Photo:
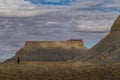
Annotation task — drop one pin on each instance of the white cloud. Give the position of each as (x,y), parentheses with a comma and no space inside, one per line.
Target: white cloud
(25,8)
(96,25)
(21,8)
(52,23)
(11,13)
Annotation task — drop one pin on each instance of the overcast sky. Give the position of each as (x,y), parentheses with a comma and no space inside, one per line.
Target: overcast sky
(22,20)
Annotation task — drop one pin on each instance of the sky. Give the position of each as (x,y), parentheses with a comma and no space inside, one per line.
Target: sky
(23,20)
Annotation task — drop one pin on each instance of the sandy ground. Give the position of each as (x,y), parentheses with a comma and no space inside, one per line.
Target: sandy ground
(59,71)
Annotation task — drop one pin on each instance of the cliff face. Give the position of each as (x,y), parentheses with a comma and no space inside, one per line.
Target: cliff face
(108,49)
(50,50)
(71,42)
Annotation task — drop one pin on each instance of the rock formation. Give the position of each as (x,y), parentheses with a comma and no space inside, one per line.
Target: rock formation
(50,50)
(108,49)
(116,25)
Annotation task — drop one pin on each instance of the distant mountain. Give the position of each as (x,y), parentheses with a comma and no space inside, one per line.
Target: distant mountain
(50,50)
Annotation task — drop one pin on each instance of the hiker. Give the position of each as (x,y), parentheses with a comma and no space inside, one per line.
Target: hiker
(18,60)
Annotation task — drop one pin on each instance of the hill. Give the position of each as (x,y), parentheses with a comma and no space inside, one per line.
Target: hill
(108,49)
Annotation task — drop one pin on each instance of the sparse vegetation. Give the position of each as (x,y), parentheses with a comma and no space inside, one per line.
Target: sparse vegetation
(59,71)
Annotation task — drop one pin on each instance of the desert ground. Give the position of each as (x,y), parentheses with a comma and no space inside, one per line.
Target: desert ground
(59,71)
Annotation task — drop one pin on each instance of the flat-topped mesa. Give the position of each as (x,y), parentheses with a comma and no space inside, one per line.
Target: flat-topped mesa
(50,50)
(77,42)
(116,25)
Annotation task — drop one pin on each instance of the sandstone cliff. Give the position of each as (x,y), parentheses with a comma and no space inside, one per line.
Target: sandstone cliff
(108,49)
(50,50)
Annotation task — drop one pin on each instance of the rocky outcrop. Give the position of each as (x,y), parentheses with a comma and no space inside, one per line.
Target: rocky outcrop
(108,49)
(50,50)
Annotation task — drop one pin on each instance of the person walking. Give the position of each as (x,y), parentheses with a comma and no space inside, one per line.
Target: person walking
(18,60)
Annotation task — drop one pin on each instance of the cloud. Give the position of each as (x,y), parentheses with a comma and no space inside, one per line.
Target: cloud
(21,8)
(87,19)
(52,23)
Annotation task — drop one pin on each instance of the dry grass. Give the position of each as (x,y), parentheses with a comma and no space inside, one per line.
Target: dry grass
(58,71)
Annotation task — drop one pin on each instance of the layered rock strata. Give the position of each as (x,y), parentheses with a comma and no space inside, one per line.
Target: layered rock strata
(50,50)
